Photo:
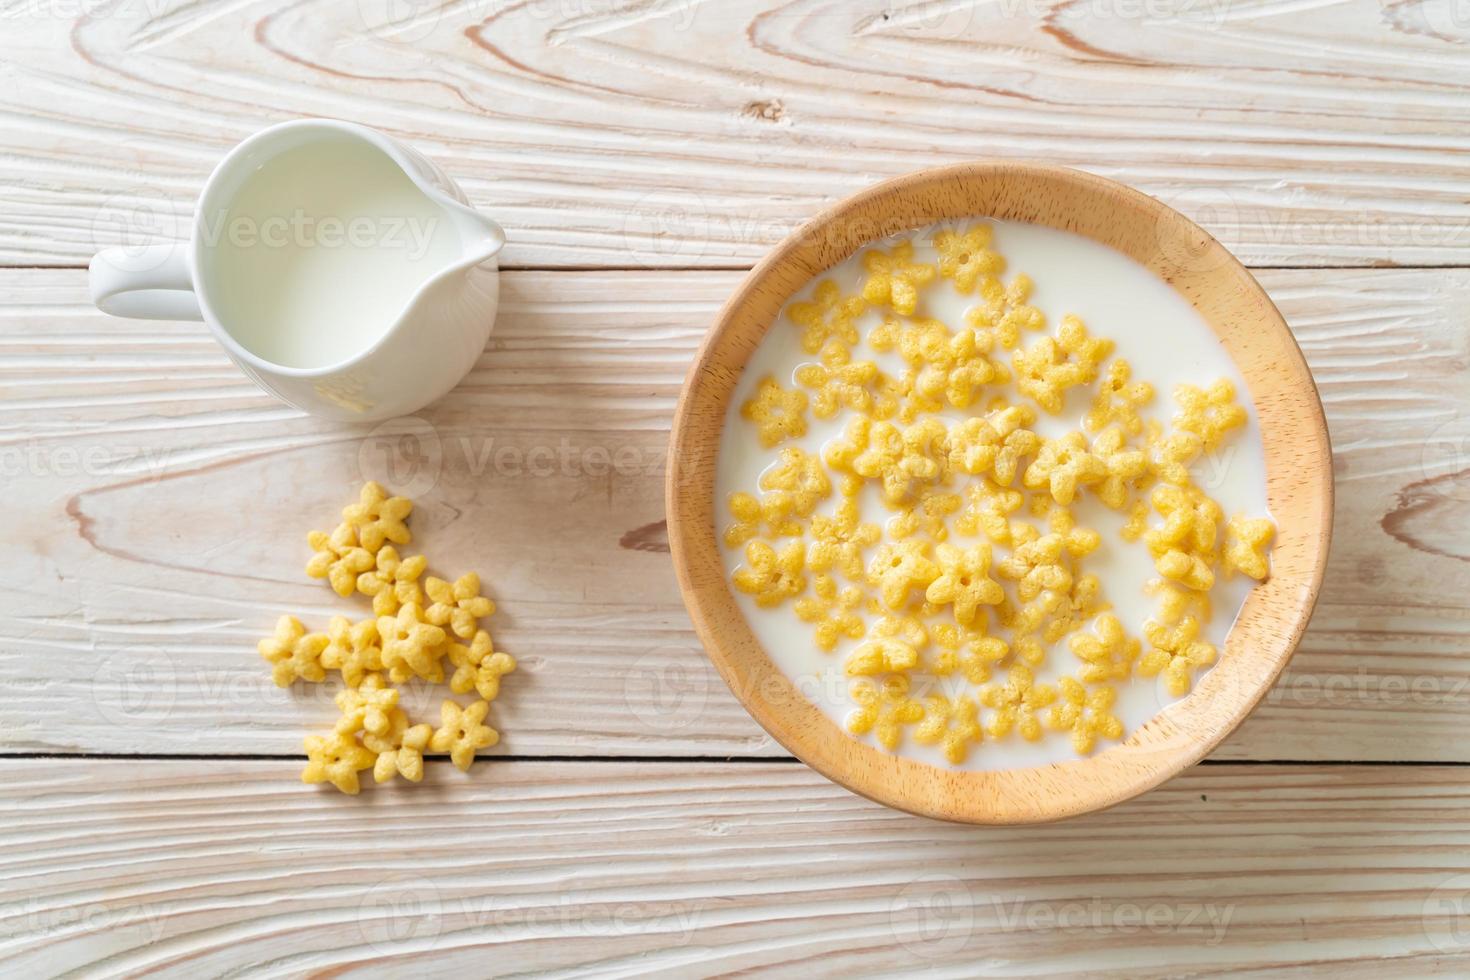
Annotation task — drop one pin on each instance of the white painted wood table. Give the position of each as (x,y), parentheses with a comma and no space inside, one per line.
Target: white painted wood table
(641,153)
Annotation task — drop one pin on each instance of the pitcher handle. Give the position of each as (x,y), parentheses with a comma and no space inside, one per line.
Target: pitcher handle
(151,284)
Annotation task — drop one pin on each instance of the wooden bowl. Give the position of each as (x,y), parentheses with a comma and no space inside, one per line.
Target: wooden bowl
(1298,487)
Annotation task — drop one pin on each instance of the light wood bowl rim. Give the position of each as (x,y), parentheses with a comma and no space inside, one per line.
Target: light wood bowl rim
(1174,740)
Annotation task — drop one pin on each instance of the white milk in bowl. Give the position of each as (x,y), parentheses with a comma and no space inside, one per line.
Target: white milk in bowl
(321,250)
(1165,341)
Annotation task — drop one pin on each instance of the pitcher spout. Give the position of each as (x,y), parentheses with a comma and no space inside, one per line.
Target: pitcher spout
(481,238)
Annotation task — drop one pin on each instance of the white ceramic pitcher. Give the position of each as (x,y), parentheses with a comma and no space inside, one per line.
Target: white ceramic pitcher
(432,344)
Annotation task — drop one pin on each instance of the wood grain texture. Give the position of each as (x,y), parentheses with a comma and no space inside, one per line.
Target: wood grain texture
(687,133)
(156,504)
(180,869)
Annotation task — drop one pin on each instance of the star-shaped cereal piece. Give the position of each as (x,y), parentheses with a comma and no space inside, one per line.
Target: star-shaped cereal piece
(457,604)
(1062,465)
(1077,607)
(836,612)
(1088,715)
(294,653)
(1176,601)
(797,483)
(894,278)
(1125,467)
(975,444)
(1246,541)
(965,258)
(970,651)
(928,514)
(366,708)
(771,512)
(838,541)
(772,576)
(1171,456)
(953,725)
(827,316)
(892,646)
(462,731)
(778,414)
(902,459)
(1003,313)
(1107,654)
(1015,704)
(378,518)
(400,750)
(1047,369)
(1036,566)
(352,649)
(948,370)
(1118,400)
(988,509)
(411,646)
(338,558)
(479,667)
(883,708)
(1175,652)
(1185,545)
(336,759)
(1209,413)
(840,382)
(964,581)
(901,567)
(392,580)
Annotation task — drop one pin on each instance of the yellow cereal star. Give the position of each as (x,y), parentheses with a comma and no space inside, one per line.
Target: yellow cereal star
(378,518)
(840,383)
(1015,704)
(964,581)
(969,651)
(1062,465)
(835,612)
(366,708)
(988,508)
(339,558)
(457,605)
(778,414)
(1047,369)
(827,316)
(1036,566)
(1175,652)
(838,541)
(927,514)
(1088,715)
(894,278)
(352,649)
(771,511)
(770,576)
(336,759)
(294,653)
(892,646)
(411,646)
(1003,312)
(462,731)
(1209,413)
(1125,468)
(1185,545)
(901,567)
(883,708)
(966,258)
(1170,457)
(479,667)
(392,581)
(797,483)
(1246,541)
(400,750)
(1118,400)
(1107,654)
(954,725)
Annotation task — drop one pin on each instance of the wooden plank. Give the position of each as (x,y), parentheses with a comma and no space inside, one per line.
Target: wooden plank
(621,869)
(156,505)
(686,133)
